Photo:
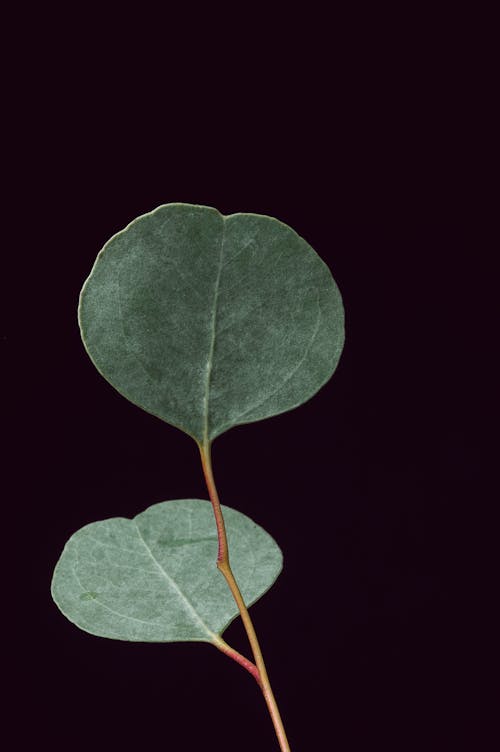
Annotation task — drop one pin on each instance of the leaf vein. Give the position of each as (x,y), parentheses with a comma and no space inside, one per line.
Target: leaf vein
(212,332)
(290,375)
(108,608)
(189,606)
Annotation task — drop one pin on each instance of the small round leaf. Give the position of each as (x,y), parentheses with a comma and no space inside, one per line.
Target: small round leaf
(154,578)
(210,321)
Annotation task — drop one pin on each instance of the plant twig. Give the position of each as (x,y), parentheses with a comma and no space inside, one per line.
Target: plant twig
(224,566)
(232,653)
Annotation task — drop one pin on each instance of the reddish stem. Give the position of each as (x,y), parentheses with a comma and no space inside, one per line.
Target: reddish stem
(259,671)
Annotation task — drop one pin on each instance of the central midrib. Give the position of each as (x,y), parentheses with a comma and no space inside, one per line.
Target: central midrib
(174,585)
(213,325)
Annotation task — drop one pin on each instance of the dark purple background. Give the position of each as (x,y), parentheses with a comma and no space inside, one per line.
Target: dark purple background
(368,488)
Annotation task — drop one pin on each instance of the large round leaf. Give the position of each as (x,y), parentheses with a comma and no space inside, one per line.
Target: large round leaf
(209,321)
(154,579)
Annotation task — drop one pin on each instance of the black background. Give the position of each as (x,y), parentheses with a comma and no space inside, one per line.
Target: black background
(366,487)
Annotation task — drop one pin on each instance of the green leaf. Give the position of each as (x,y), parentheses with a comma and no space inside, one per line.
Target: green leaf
(154,578)
(210,321)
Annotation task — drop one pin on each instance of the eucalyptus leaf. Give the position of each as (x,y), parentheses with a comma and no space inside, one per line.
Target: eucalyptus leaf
(209,321)
(153,578)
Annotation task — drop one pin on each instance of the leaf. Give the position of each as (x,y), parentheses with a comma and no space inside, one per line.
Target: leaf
(154,579)
(209,321)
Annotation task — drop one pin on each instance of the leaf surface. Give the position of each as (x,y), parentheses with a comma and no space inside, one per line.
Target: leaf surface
(210,321)
(153,578)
